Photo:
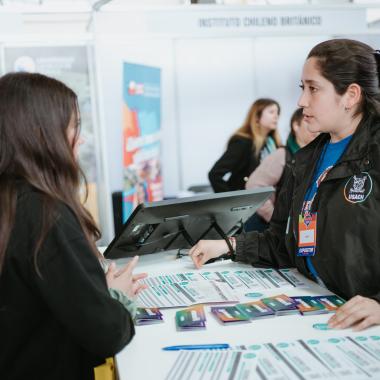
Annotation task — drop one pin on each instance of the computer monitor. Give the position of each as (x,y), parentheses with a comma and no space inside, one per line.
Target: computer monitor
(180,223)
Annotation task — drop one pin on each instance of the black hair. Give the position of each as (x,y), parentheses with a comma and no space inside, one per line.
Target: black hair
(344,62)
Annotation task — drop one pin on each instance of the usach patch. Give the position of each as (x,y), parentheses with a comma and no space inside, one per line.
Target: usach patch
(358,188)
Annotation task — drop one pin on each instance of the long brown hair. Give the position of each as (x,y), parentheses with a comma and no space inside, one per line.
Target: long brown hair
(35,112)
(251,127)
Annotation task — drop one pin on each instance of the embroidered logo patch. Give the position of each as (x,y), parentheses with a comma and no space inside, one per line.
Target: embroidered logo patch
(358,188)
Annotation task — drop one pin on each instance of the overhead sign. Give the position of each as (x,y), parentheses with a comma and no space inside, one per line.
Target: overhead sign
(234,21)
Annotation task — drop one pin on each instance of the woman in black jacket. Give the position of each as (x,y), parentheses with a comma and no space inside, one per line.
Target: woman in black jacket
(326,219)
(58,319)
(251,143)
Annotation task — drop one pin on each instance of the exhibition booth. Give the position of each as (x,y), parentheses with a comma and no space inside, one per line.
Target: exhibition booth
(209,62)
(160,91)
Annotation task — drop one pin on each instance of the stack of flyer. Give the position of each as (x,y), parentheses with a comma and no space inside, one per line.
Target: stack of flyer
(244,312)
(192,318)
(347,358)
(239,279)
(308,305)
(148,316)
(277,305)
(281,304)
(186,293)
(229,314)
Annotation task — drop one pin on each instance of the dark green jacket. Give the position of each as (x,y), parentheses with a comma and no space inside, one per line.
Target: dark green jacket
(348,222)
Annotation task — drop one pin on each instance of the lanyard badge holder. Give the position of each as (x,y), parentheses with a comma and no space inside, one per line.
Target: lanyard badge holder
(307,223)
(307,234)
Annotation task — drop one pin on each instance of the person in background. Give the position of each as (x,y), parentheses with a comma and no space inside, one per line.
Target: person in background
(60,314)
(247,147)
(271,170)
(326,219)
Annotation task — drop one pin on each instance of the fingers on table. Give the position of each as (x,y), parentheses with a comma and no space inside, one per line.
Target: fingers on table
(355,312)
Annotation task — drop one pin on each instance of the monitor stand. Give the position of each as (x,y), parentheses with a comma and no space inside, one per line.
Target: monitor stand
(192,242)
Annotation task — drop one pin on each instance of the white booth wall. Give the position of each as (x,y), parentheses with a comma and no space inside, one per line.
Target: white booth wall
(208,83)
(218,83)
(207,87)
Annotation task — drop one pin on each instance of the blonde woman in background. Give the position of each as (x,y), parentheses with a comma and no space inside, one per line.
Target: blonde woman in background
(271,171)
(248,146)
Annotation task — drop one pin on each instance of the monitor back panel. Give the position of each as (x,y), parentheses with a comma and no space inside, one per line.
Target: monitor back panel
(180,223)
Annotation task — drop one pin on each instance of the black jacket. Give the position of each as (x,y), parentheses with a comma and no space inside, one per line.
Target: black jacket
(348,221)
(240,160)
(61,325)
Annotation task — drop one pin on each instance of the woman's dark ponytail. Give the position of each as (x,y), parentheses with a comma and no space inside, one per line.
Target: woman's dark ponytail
(343,62)
(377,58)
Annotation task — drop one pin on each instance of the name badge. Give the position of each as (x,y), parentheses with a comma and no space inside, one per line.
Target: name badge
(307,234)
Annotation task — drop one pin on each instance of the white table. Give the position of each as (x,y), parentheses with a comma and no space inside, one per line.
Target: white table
(144,358)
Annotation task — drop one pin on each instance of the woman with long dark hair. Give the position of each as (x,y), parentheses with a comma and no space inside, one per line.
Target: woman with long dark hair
(326,220)
(57,316)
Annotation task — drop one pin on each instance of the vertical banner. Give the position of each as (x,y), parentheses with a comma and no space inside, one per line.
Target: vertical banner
(141,136)
(68,64)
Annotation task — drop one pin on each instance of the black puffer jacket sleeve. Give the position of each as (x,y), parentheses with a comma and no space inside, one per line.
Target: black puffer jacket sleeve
(269,248)
(234,160)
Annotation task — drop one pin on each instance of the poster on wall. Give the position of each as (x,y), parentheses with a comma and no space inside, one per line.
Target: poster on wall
(68,64)
(142,179)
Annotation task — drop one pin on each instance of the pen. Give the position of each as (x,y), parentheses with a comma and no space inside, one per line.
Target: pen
(217,346)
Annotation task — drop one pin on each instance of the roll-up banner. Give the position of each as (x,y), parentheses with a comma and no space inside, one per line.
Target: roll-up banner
(141,136)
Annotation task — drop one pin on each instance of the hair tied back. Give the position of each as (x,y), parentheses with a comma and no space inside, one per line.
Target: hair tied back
(377,58)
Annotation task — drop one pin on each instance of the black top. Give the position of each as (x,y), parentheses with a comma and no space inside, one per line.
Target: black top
(348,224)
(240,160)
(60,325)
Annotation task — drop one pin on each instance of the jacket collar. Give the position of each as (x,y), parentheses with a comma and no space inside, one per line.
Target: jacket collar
(357,150)
(354,160)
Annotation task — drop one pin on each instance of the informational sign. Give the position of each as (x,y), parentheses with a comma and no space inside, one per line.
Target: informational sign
(141,136)
(240,21)
(68,64)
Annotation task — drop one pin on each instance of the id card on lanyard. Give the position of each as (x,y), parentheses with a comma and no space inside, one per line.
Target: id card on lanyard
(307,220)
(307,234)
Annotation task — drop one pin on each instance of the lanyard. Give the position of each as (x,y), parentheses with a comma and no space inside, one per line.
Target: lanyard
(306,199)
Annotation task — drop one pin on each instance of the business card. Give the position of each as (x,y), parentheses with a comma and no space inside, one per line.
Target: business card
(308,305)
(281,304)
(330,302)
(229,314)
(146,316)
(192,318)
(256,310)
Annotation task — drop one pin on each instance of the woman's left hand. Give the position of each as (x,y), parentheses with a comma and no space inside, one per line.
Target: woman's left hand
(359,312)
(123,279)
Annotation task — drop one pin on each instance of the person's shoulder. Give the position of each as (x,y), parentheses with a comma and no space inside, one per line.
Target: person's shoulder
(31,203)
(276,157)
(240,140)
(304,153)
(278,154)
(28,197)
(375,127)
(307,155)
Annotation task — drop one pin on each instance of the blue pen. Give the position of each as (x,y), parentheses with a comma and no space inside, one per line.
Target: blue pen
(217,346)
